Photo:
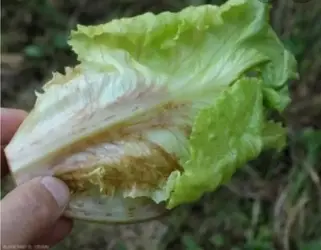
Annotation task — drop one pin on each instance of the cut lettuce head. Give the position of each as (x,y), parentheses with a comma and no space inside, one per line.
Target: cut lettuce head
(162,107)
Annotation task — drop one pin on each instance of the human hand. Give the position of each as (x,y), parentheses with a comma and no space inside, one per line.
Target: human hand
(31,213)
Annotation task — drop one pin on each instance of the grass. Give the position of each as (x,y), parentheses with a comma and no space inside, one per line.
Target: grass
(272,203)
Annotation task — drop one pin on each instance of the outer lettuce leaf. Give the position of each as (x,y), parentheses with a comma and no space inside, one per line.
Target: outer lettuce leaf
(225,136)
(199,48)
(202,54)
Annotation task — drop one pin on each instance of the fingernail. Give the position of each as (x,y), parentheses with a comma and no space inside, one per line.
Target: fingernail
(58,190)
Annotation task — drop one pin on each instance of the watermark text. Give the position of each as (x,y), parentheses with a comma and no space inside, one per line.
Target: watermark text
(25,247)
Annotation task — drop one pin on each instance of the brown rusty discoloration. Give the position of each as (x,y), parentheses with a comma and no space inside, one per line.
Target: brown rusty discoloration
(142,172)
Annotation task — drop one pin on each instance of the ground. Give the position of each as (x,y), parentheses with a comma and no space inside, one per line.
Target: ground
(273,203)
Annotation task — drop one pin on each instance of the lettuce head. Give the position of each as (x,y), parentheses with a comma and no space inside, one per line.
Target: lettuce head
(161,109)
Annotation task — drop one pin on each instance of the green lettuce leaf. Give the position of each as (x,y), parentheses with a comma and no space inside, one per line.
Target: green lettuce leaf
(201,55)
(195,47)
(225,136)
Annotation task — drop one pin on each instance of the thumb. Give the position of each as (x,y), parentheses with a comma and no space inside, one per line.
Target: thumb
(32,208)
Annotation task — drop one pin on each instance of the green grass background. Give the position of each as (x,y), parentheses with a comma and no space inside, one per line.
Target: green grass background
(272,203)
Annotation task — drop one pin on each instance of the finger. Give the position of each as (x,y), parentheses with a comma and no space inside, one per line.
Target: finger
(57,233)
(10,120)
(32,208)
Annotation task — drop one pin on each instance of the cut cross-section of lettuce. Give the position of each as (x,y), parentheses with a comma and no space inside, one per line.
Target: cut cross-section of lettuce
(161,107)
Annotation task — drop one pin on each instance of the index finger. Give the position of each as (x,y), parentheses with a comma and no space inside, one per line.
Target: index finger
(10,120)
